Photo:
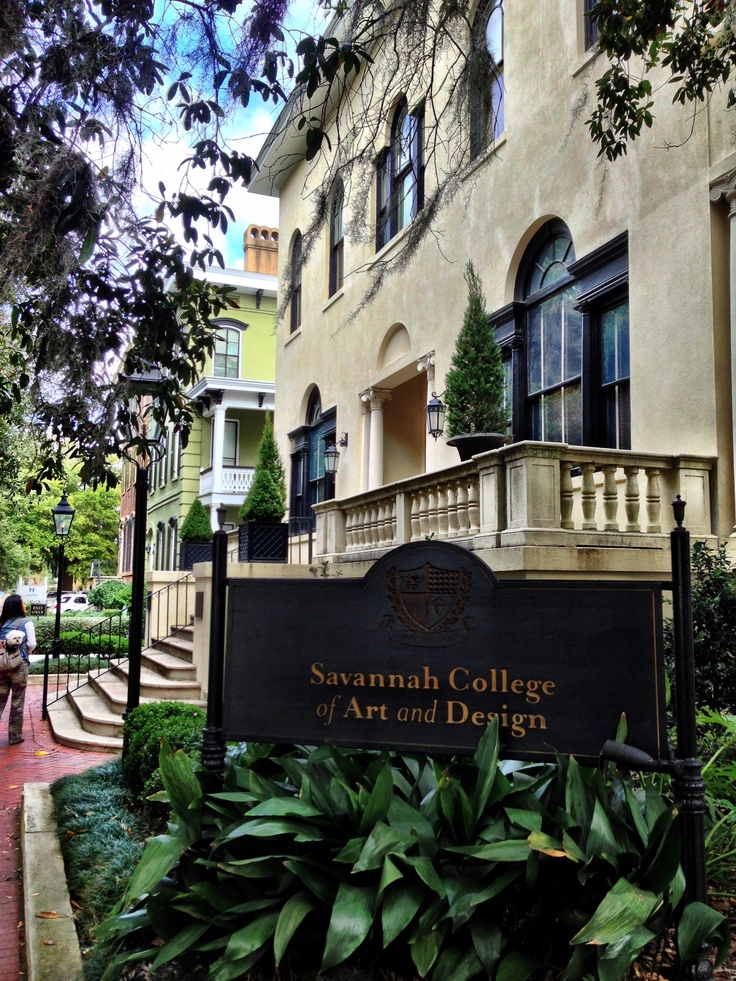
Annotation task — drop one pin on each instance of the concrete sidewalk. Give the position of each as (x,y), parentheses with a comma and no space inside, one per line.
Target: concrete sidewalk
(37,760)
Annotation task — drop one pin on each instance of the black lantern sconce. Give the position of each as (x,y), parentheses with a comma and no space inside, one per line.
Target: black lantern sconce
(436,410)
(332,455)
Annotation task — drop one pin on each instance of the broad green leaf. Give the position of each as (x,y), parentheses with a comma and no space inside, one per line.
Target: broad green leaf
(513,850)
(259,867)
(530,820)
(486,761)
(389,874)
(292,913)
(516,967)
(400,904)
(284,807)
(407,819)
(180,943)
(350,853)
(183,788)
(379,801)
(636,814)
(540,842)
(622,911)
(601,838)
(571,848)
(426,872)
(699,924)
(352,918)
(381,842)
(319,881)
(455,807)
(251,937)
(457,964)
(488,941)
(425,946)
(578,802)
(466,899)
(158,858)
(269,827)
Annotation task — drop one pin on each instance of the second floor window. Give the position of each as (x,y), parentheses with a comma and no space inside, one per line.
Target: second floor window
(337,237)
(591,25)
(400,174)
(227,352)
(486,77)
(296,284)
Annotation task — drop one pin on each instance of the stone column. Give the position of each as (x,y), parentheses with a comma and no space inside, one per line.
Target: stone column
(374,398)
(218,451)
(725,190)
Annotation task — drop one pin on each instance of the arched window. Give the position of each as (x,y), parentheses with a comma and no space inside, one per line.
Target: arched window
(400,174)
(486,89)
(227,351)
(337,237)
(553,343)
(566,342)
(296,283)
(309,482)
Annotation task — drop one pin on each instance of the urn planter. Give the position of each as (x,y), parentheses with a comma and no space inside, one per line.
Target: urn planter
(468,444)
(258,542)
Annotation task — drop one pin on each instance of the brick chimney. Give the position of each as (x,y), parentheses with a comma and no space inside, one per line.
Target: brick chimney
(261,249)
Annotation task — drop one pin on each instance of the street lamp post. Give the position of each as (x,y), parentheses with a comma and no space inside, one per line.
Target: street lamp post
(63,516)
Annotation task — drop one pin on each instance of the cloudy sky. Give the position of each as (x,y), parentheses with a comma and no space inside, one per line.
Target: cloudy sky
(246,132)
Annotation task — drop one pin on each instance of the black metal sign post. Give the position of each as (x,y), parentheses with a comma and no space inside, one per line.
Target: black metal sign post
(687,780)
(213,744)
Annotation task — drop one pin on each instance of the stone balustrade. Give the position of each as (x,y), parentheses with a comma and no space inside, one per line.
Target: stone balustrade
(525,494)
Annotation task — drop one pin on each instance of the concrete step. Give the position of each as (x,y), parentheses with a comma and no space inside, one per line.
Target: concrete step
(156,688)
(180,647)
(168,665)
(68,731)
(94,714)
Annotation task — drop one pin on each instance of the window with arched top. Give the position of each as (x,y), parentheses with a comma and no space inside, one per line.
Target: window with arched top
(565,342)
(553,344)
(296,284)
(309,484)
(486,80)
(226,358)
(337,237)
(400,174)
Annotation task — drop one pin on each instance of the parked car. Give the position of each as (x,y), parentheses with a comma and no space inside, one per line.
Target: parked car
(70,603)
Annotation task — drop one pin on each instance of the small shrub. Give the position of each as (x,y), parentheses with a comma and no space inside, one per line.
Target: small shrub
(111,595)
(266,499)
(144,729)
(196,526)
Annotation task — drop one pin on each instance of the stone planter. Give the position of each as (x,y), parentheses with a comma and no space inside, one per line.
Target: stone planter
(263,542)
(469,444)
(191,552)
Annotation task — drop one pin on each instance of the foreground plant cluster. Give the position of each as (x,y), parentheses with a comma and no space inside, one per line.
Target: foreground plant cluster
(305,859)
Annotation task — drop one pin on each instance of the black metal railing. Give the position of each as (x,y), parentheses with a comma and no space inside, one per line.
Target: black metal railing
(97,650)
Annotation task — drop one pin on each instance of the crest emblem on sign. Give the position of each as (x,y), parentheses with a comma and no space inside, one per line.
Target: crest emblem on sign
(428,601)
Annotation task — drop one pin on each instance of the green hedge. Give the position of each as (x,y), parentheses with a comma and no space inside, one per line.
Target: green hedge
(143,731)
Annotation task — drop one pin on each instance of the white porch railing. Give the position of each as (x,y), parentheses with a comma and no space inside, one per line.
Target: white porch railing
(526,493)
(233,480)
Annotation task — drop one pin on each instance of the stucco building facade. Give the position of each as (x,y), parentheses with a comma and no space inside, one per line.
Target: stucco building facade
(611,288)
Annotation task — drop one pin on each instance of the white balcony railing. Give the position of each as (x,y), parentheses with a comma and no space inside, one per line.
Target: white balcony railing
(233,480)
(524,494)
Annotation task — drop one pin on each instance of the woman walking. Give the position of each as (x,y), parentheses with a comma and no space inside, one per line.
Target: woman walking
(15,680)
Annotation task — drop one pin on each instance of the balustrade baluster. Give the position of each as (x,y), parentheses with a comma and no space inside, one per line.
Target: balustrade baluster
(423,515)
(654,501)
(566,493)
(442,512)
(432,513)
(463,519)
(588,496)
(349,530)
(631,499)
(610,497)
(414,518)
(452,522)
(473,507)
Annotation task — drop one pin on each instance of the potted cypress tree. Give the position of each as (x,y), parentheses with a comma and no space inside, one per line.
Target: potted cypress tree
(477,419)
(263,537)
(195,536)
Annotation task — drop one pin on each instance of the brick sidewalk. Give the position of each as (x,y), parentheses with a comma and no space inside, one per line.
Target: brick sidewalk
(37,760)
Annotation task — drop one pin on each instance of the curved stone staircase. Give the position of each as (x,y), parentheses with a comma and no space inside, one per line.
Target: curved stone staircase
(91,717)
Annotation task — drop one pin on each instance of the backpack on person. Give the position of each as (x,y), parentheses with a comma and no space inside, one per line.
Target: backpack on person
(12,644)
